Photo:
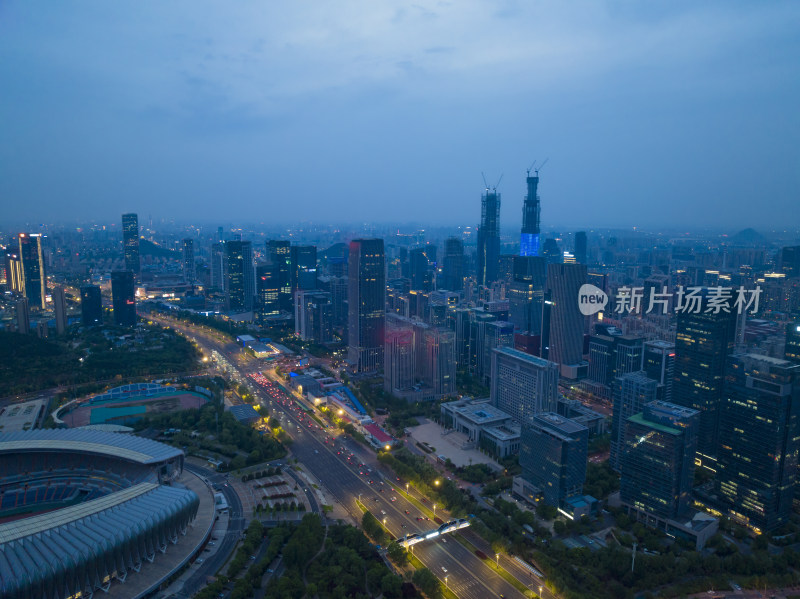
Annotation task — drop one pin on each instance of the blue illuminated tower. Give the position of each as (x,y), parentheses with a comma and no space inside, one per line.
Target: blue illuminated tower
(529,239)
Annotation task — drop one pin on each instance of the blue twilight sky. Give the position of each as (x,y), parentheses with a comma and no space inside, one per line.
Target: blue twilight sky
(651,113)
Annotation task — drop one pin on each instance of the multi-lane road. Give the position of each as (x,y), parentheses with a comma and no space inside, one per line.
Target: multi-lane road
(464,573)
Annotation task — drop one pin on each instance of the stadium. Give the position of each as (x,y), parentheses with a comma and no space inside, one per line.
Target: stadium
(80,509)
(126,404)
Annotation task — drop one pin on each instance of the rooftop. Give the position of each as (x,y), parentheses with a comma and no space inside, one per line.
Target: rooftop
(125,446)
(520,355)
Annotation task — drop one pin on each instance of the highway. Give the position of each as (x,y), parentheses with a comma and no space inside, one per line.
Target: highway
(467,575)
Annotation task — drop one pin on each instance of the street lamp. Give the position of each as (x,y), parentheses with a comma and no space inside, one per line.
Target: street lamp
(540,590)
(384,522)
(434,510)
(359,497)
(445,582)
(497,559)
(406,489)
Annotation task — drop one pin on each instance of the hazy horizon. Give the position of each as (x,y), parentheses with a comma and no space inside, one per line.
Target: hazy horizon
(672,115)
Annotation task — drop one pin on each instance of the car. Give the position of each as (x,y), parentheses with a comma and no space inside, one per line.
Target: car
(407,512)
(383,513)
(199,560)
(444,569)
(394,498)
(403,525)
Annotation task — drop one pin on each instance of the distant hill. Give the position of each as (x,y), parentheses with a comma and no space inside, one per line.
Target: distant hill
(148,248)
(748,237)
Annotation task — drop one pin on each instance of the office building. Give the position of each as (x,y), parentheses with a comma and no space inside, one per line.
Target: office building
(489,238)
(580,247)
(313,317)
(553,454)
(658,362)
(452,265)
(130,242)
(551,251)
(91,306)
(33,282)
(23,316)
(529,237)
(217,266)
(303,267)
(526,293)
(565,342)
(612,354)
(632,391)
(367,304)
(702,345)
(13,266)
(759,438)
(279,253)
(188,261)
(657,464)
(791,350)
(419,270)
(790,261)
(439,346)
(240,276)
(267,291)
(123,298)
(60,309)
(523,385)
(399,372)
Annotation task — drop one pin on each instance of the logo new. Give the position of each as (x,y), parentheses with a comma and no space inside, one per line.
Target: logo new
(591,299)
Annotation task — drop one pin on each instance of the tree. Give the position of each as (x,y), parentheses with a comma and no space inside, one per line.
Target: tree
(427,582)
(397,554)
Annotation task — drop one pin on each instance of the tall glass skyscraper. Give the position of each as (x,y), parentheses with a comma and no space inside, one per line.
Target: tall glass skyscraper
(632,391)
(489,238)
(367,304)
(188,260)
(657,461)
(529,239)
(279,253)
(759,439)
(130,242)
(34,278)
(702,345)
(240,279)
(452,265)
(303,260)
(565,342)
(123,298)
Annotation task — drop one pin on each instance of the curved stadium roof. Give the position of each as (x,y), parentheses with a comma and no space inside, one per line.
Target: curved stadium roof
(83,547)
(128,447)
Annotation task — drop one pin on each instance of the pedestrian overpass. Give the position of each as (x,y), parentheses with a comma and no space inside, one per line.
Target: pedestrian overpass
(414,538)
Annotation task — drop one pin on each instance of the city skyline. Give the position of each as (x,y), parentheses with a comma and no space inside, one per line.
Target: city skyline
(232,112)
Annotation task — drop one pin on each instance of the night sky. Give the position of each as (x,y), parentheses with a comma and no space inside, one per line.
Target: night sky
(651,113)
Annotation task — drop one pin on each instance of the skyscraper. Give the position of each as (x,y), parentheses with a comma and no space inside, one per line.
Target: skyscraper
(523,385)
(529,239)
(399,360)
(453,265)
(267,291)
(553,453)
(123,298)
(91,306)
(34,277)
(632,391)
(566,321)
(313,316)
(702,345)
(657,462)
(526,293)
(60,309)
(367,304)
(279,254)
(303,271)
(580,247)
(759,438)
(439,373)
(489,238)
(188,260)
(23,316)
(130,241)
(240,279)
(659,364)
(218,266)
(792,348)
(419,270)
